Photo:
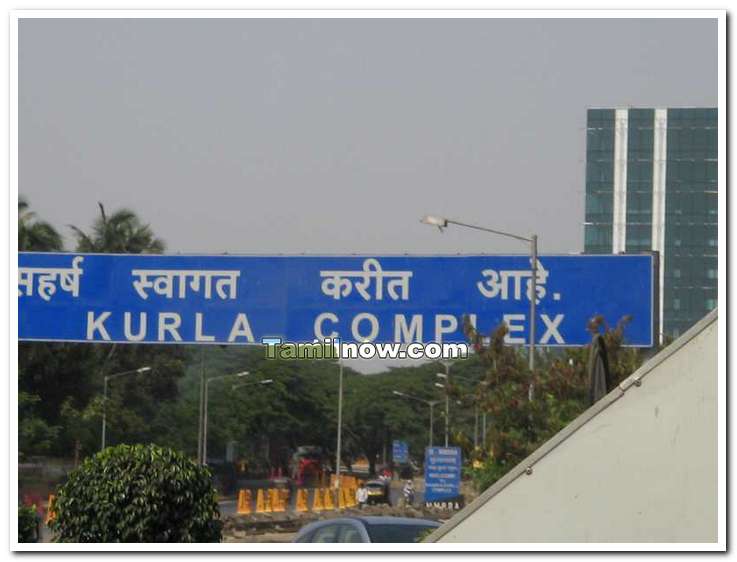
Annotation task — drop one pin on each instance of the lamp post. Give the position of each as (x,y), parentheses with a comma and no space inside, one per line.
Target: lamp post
(104,397)
(431,403)
(204,417)
(442,222)
(446,376)
(340,425)
(475,404)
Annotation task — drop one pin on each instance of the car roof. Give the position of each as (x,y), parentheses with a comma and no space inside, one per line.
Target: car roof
(389,520)
(368,520)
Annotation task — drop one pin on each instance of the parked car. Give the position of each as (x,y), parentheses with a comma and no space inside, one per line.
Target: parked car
(378,491)
(366,529)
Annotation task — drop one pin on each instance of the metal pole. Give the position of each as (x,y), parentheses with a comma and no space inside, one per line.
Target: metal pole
(483,424)
(475,426)
(447,401)
(432,407)
(340,423)
(104,413)
(533,299)
(204,425)
(202,392)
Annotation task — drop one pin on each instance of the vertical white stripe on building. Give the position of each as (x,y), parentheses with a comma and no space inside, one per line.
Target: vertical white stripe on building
(619,215)
(660,154)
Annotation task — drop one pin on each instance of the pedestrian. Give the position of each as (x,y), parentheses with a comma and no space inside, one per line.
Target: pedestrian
(409,493)
(361,495)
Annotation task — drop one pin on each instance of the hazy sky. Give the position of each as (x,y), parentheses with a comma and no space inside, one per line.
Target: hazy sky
(335,136)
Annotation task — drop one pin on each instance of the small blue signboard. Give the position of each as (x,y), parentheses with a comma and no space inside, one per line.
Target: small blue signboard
(442,474)
(400,452)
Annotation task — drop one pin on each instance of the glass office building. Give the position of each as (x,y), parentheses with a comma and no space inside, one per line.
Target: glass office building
(651,185)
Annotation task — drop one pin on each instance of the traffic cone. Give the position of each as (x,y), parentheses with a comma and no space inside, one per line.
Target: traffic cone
(275,499)
(301,504)
(244,502)
(317,502)
(262,502)
(329,499)
(50,511)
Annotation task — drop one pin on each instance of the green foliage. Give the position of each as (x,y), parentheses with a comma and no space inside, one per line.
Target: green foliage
(139,493)
(520,426)
(27,523)
(35,235)
(35,435)
(120,233)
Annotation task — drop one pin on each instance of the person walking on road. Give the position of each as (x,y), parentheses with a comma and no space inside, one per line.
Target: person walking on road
(362,495)
(409,493)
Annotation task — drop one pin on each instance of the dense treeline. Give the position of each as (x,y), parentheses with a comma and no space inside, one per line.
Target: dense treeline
(60,388)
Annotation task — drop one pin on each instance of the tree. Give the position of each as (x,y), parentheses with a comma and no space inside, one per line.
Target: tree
(121,233)
(561,382)
(139,493)
(35,235)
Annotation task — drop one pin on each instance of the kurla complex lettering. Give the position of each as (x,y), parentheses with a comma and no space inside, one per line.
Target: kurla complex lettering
(404,299)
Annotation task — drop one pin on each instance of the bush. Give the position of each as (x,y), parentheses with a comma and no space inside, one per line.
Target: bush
(27,523)
(138,493)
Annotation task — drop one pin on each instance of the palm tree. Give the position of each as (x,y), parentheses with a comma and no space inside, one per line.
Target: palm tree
(35,235)
(120,233)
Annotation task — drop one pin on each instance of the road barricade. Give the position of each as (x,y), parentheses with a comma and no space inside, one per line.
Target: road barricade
(351,499)
(263,503)
(50,511)
(317,500)
(342,498)
(329,498)
(277,499)
(244,502)
(301,504)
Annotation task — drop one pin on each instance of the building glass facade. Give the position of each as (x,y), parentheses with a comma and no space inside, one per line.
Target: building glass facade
(651,185)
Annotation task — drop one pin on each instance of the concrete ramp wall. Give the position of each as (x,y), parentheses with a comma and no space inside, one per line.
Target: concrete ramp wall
(638,466)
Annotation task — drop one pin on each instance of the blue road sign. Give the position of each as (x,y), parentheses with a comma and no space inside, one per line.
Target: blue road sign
(243,299)
(442,473)
(400,452)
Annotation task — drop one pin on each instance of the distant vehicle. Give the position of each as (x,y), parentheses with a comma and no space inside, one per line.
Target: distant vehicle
(378,491)
(366,529)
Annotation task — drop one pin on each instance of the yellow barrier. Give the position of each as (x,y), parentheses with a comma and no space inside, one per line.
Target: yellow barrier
(329,498)
(342,498)
(244,502)
(263,505)
(301,504)
(276,499)
(50,511)
(351,499)
(317,500)
(284,498)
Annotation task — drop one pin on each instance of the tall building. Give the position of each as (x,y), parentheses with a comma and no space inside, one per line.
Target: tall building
(651,185)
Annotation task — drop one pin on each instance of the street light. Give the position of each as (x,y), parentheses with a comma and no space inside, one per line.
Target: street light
(104,397)
(442,222)
(204,424)
(265,381)
(340,426)
(475,404)
(431,403)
